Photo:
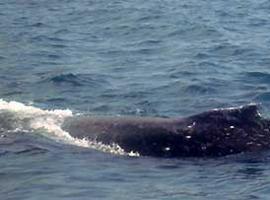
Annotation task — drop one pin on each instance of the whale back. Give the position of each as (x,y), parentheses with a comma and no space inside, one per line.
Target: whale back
(217,132)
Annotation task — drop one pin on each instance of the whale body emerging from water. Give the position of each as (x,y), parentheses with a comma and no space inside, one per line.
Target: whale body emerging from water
(217,132)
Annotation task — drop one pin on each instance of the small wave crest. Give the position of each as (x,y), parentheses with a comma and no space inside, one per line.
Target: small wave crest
(16,116)
(76,80)
(67,78)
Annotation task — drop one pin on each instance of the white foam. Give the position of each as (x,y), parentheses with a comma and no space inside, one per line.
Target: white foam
(29,118)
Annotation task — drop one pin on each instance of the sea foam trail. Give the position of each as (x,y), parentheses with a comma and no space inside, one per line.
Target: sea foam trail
(29,118)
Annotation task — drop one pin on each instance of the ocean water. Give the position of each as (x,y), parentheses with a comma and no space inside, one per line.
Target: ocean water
(61,58)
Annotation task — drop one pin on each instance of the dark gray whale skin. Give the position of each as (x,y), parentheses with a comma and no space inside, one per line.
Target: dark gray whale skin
(217,132)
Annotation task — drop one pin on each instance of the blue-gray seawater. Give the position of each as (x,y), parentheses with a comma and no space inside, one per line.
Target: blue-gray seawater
(133,57)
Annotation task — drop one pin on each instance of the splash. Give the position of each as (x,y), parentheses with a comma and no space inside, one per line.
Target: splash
(21,117)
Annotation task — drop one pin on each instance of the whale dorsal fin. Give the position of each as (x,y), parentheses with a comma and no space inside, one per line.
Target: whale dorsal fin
(250,111)
(237,114)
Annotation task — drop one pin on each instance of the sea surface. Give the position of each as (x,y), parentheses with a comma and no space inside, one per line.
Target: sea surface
(61,58)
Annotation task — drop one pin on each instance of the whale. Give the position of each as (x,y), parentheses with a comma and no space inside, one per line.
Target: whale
(213,133)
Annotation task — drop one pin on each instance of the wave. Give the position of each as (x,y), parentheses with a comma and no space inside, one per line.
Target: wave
(67,78)
(16,117)
(77,80)
(258,77)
